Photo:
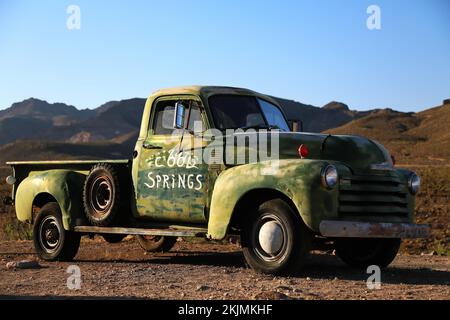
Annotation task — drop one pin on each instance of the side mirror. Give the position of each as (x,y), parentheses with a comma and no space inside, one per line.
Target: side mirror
(297,126)
(178,119)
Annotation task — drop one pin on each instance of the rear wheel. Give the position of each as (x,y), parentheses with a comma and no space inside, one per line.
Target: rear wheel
(363,252)
(273,240)
(156,243)
(51,241)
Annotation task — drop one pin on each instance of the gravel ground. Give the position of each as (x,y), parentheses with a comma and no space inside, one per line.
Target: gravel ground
(212,271)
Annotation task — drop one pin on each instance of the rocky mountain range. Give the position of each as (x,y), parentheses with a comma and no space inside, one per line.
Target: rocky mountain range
(35,129)
(38,119)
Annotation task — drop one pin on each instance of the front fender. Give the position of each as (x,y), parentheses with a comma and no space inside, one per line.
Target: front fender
(299,180)
(63,185)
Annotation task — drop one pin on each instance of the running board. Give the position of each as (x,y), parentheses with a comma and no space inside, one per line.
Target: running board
(197,232)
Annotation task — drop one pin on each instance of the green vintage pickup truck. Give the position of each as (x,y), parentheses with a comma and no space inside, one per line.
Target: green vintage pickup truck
(214,162)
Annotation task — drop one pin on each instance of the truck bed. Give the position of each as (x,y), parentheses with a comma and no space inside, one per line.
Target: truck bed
(64,163)
(23,169)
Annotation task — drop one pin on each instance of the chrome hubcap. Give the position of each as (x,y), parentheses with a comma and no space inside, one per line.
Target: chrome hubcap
(102,194)
(271,237)
(49,234)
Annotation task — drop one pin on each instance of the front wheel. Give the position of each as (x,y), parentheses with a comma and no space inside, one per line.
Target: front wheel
(361,253)
(51,241)
(274,240)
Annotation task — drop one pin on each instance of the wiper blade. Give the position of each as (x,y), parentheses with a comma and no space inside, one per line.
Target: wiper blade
(271,127)
(253,127)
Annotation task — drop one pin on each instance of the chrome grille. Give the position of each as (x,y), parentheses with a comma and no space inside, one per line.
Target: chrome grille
(372,195)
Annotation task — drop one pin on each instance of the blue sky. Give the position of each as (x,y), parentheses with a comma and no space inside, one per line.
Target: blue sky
(309,51)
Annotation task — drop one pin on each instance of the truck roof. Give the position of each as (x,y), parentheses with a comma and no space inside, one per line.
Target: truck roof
(207,91)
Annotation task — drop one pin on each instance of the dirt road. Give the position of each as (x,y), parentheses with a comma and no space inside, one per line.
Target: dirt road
(212,271)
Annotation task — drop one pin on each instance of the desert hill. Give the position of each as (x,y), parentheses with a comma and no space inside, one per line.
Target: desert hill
(414,138)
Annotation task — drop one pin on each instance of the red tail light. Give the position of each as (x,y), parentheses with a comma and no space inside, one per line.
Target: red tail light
(393,160)
(303,151)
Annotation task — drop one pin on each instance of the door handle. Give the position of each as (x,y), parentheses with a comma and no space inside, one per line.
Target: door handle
(150,146)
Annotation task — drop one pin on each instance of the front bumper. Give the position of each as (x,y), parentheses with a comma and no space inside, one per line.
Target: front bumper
(353,229)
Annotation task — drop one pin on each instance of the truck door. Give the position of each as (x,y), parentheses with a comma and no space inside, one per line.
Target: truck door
(171,183)
(195,168)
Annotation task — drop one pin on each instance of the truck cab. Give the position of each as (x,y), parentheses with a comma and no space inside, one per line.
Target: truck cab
(218,161)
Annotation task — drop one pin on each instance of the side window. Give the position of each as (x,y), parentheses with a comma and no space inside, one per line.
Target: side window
(164,117)
(195,116)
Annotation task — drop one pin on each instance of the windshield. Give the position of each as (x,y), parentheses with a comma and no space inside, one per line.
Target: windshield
(234,112)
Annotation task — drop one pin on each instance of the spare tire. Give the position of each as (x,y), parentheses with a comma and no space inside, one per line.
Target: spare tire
(101,196)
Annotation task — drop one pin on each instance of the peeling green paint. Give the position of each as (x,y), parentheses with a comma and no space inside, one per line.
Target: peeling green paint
(63,185)
(298,180)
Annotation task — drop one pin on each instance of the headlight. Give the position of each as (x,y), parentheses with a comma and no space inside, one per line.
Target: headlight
(414,183)
(329,176)
(10,180)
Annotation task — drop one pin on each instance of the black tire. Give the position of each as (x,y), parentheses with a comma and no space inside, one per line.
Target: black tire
(295,239)
(156,243)
(363,252)
(101,196)
(113,238)
(51,241)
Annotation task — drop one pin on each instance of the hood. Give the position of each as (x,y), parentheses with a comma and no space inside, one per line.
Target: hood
(359,153)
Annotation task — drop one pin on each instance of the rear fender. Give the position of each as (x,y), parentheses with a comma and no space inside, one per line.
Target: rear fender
(64,186)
